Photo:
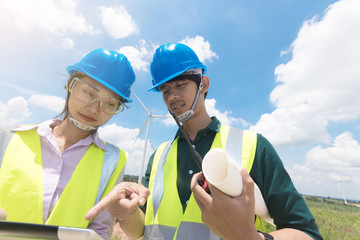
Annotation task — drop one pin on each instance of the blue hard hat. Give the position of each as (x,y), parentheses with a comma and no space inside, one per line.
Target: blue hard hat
(171,60)
(110,68)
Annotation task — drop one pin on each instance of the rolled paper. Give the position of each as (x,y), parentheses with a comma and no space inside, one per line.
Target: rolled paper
(2,214)
(221,171)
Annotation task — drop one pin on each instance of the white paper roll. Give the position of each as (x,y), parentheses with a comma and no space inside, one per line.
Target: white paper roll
(221,171)
(3,214)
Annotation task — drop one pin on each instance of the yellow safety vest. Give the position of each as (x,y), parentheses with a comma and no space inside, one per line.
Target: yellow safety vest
(21,181)
(165,218)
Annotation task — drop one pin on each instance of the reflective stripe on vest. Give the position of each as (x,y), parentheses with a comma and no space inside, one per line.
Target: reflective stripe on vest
(165,219)
(95,175)
(156,231)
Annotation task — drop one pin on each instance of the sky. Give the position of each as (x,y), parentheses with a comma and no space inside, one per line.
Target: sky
(288,69)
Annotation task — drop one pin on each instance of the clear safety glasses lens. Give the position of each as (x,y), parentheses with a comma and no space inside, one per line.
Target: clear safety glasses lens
(87,93)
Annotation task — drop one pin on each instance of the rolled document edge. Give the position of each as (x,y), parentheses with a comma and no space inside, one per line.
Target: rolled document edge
(221,171)
(3,214)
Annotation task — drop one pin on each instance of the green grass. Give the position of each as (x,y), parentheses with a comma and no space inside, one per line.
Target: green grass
(335,220)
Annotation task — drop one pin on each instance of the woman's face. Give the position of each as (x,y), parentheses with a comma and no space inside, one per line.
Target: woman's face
(91,103)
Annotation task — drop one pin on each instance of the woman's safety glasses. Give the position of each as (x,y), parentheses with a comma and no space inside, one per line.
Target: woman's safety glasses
(88,93)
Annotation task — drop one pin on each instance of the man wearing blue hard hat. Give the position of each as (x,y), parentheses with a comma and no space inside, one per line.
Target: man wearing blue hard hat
(178,206)
(179,75)
(54,172)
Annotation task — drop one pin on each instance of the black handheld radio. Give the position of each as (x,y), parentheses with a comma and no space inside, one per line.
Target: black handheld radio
(201,180)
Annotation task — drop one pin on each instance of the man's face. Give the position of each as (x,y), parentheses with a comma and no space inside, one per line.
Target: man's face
(178,95)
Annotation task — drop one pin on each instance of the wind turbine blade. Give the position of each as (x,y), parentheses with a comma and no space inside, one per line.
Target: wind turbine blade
(142,128)
(160,116)
(147,112)
(152,146)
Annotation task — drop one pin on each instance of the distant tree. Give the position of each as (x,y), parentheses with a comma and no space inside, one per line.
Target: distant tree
(130,178)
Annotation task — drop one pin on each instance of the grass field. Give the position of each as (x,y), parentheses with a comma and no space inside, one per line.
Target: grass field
(336,221)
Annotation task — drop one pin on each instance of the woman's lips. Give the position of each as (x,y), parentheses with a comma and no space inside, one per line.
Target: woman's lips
(87,118)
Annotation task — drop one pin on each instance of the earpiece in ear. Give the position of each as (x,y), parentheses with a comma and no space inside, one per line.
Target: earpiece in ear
(201,86)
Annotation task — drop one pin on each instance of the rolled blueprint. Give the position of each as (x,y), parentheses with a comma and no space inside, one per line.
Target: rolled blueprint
(221,171)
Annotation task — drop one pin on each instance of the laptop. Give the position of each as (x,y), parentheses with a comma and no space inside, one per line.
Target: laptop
(21,231)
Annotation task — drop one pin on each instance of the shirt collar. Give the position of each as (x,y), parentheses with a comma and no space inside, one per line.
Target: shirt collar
(45,128)
(214,126)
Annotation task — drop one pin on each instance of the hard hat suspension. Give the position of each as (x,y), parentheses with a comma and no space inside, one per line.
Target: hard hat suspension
(80,125)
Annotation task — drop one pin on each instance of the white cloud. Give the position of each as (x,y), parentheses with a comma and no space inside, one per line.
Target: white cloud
(201,47)
(169,121)
(118,22)
(18,88)
(296,125)
(326,166)
(14,111)
(56,18)
(67,43)
(53,103)
(125,138)
(224,117)
(345,153)
(139,56)
(320,84)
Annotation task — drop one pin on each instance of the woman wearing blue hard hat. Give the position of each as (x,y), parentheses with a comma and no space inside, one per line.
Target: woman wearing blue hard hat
(54,172)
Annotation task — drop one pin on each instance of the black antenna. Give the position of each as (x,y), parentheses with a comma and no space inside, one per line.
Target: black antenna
(194,153)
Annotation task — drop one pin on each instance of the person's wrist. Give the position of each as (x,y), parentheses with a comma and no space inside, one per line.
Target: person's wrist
(249,234)
(265,236)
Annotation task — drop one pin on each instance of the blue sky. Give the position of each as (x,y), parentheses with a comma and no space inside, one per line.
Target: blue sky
(288,69)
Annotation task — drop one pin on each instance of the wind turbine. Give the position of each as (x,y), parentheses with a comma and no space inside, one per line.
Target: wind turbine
(341,187)
(147,122)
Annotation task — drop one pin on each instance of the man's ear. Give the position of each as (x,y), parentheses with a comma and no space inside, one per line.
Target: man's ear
(205,82)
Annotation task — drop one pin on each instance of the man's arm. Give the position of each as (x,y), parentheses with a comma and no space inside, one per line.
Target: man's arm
(286,206)
(123,204)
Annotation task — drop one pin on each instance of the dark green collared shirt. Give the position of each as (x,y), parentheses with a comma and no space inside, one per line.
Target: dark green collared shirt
(286,206)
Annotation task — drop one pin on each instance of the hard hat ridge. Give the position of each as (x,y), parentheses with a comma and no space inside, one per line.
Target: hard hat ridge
(171,60)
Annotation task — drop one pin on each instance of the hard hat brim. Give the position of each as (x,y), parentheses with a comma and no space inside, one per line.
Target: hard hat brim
(155,88)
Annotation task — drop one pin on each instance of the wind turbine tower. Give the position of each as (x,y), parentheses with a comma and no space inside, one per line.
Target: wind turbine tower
(147,122)
(342,190)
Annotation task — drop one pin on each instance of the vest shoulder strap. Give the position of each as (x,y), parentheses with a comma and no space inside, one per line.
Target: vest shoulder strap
(241,145)
(111,158)
(158,183)
(5,137)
